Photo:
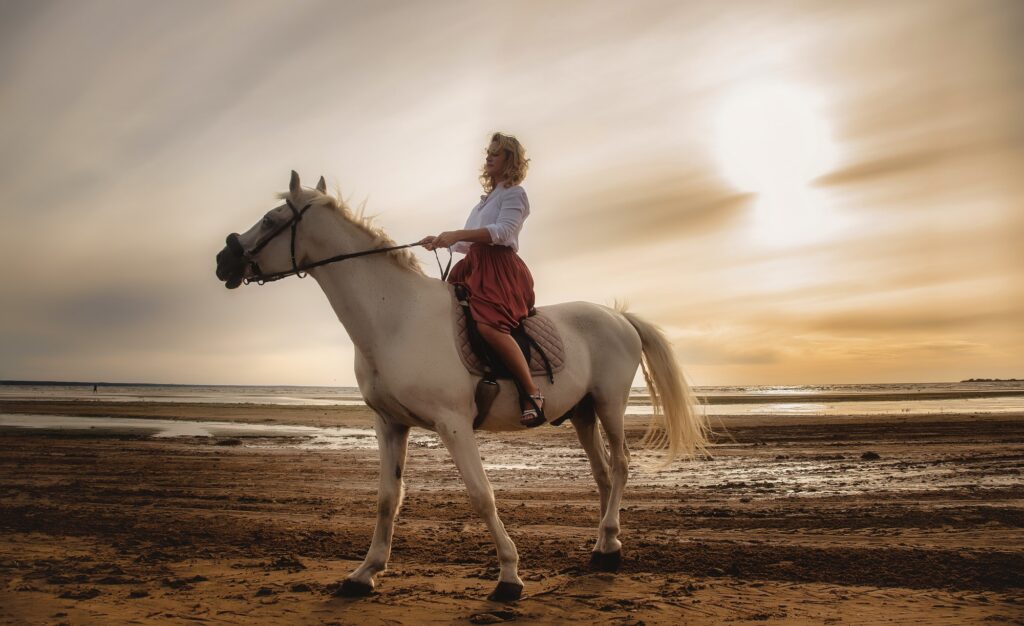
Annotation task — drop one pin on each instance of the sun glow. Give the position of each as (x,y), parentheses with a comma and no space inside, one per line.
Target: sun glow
(771,140)
(772,137)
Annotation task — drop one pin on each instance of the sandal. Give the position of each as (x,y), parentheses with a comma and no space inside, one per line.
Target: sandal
(533,417)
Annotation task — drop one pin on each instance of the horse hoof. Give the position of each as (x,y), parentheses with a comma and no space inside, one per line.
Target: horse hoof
(353,589)
(610,562)
(506,592)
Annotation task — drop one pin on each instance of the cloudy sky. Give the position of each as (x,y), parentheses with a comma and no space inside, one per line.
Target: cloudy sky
(797,192)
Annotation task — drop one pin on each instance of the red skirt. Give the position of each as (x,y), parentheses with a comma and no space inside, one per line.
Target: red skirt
(499,283)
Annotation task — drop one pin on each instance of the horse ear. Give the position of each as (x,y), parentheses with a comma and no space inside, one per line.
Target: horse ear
(294,185)
(322,185)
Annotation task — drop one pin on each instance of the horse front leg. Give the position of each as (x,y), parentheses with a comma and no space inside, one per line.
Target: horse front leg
(393,442)
(461,444)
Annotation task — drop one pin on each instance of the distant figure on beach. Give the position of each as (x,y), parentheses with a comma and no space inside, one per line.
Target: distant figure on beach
(500,285)
(95,388)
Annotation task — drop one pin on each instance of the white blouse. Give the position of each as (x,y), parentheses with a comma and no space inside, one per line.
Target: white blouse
(502,213)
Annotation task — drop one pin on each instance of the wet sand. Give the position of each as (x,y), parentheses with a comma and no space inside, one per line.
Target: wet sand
(786,524)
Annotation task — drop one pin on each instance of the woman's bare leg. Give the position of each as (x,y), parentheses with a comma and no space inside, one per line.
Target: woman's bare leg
(510,354)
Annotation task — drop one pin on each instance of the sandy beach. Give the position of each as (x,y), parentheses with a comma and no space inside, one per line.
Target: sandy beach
(793,520)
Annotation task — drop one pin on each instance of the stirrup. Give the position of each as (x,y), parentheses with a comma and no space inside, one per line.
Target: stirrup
(533,417)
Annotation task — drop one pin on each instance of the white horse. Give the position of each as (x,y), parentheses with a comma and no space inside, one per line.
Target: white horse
(410,373)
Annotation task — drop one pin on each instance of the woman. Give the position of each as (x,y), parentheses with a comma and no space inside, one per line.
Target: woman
(499,283)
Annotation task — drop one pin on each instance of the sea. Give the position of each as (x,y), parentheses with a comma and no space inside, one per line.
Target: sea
(781,400)
(769,400)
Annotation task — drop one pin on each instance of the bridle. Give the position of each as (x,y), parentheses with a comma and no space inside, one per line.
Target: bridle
(259,277)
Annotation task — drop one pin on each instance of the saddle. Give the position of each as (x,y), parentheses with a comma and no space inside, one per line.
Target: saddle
(536,335)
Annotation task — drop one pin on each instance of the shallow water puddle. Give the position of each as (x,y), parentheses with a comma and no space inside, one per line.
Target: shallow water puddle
(312,436)
(732,473)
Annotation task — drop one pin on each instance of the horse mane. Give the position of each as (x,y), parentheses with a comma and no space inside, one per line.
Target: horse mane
(363,222)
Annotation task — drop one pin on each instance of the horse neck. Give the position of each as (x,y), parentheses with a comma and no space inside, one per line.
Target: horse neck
(373,296)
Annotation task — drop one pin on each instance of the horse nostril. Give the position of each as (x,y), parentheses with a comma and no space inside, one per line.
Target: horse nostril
(235,245)
(222,267)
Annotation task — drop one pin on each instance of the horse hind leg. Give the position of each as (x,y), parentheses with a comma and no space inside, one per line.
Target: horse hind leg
(607,555)
(584,420)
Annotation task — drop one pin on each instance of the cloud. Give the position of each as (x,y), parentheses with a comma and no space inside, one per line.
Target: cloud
(725,351)
(138,135)
(636,212)
(915,320)
(883,167)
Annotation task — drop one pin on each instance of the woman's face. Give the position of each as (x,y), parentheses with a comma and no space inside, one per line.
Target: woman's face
(496,160)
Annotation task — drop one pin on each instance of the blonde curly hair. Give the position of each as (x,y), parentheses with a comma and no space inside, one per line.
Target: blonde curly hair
(516,162)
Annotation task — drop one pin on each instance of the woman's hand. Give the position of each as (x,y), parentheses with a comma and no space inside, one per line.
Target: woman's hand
(447,239)
(444,240)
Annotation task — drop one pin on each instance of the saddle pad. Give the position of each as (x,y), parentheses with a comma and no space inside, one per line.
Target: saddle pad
(538,326)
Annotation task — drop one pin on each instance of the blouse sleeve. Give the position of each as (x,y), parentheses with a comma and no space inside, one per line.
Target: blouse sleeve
(511,214)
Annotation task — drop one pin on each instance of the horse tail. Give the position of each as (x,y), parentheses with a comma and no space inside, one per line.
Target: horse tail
(676,424)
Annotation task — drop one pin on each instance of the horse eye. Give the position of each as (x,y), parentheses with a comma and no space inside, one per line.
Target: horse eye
(267,222)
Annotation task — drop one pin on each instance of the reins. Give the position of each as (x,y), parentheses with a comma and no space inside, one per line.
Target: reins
(260,278)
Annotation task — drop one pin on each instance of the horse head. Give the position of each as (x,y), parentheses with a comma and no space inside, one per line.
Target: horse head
(271,246)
